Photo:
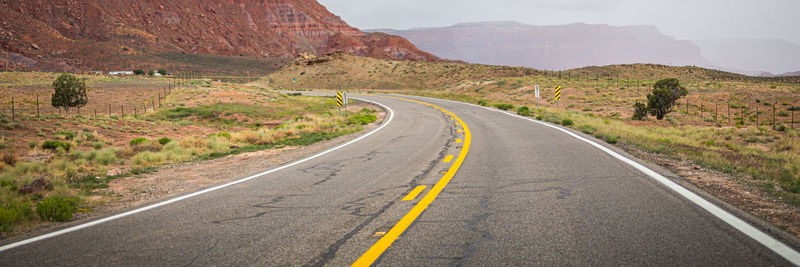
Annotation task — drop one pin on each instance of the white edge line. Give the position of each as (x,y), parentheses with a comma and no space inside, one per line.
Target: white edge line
(170,201)
(768,241)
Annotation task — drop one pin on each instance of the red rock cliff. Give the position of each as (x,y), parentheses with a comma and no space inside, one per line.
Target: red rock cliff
(280,28)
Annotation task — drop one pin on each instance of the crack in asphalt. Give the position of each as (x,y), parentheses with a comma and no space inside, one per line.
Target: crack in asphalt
(334,248)
(268,205)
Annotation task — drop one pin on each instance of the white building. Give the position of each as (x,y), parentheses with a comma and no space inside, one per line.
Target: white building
(123,72)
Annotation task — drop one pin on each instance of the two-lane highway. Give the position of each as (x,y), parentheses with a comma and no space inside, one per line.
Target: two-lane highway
(523,194)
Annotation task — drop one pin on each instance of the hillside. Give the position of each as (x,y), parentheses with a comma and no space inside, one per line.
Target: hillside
(554,47)
(347,71)
(93,34)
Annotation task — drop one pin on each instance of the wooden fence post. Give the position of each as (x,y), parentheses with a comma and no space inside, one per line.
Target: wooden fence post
(12,108)
(774,109)
(729,112)
(37,105)
(756,114)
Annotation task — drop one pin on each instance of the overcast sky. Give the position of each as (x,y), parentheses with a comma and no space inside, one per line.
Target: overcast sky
(684,19)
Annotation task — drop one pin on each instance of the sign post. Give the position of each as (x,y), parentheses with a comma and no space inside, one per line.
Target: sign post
(536,87)
(558,94)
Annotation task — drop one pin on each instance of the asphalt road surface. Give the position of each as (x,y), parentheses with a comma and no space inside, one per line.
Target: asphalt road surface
(518,193)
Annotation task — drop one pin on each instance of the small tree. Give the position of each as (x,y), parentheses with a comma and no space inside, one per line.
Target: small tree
(662,98)
(639,111)
(151,72)
(69,92)
(162,71)
(138,72)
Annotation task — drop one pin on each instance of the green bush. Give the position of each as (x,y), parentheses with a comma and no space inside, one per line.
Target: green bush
(524,111)
(539,117)
(138,71)
(361,119)
(13,212)
(67,134)
(567,122)
(223,134)
(165,140)
(504,106)
(54,145)
(58,209)
(138,140)
(162,71)
(612,138)
(639,111)
(587,129)
(783,114)
(483,103)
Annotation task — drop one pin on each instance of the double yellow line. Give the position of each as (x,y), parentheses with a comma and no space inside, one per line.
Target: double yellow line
(378,248)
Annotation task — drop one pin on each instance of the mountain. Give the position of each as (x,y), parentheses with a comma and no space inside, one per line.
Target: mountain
(752,56)
(553,47)
(85,34)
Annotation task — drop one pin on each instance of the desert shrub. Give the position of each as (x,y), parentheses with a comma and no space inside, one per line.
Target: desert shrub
(361,119)
(164,140)
(612,138)
(483,103)
(148,158)
(138,140)
(54,145)
(587,129)
(66,134)
(217,144)
(226,135)
(162,71)
(783,114)
(504,106)
(57,208)
(10,159)
(12,212)
(639,111)
(524,111)
(567,122)
(138,72)
(88,136)
(539,117)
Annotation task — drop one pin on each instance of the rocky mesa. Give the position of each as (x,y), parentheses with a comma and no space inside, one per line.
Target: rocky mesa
(73,34)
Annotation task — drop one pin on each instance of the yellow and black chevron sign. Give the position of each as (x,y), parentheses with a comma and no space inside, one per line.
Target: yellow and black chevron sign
(558,92)
(339,100)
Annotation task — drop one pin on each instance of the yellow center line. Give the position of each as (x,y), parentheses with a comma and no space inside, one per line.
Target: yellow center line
(413,194)
(448,158)
(379,247)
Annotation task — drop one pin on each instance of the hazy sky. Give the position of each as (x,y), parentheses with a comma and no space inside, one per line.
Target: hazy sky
(684,19)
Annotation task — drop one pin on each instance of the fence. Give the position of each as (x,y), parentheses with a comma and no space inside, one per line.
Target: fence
(102,102)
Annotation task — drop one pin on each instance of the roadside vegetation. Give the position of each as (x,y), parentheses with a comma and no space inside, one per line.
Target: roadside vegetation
(55,166)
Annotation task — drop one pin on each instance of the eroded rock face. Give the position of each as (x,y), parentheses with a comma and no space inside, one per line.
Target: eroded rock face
(278,28)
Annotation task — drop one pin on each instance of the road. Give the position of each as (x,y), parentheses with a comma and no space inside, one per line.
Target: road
(519,193)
